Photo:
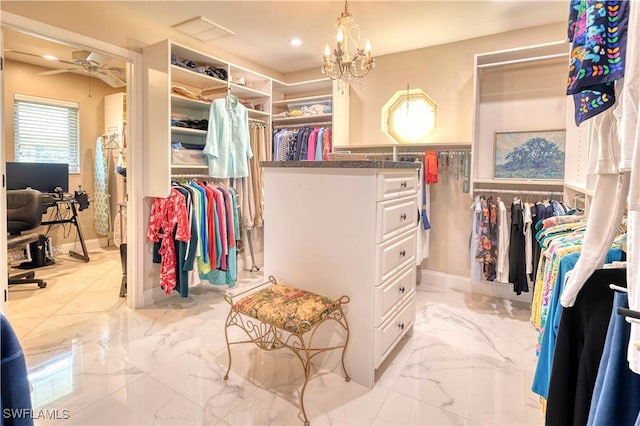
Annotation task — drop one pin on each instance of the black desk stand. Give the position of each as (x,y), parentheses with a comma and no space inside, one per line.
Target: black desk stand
(74,220)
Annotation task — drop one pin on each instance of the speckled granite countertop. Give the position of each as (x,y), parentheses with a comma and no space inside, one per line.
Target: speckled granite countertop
(343,164)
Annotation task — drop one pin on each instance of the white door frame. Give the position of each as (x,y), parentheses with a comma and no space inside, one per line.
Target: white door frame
(135,275)
(3,192)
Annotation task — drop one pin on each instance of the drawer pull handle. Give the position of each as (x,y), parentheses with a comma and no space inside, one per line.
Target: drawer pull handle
(401,325)
(401,289)
(403,216)
(403,253)
(403,184)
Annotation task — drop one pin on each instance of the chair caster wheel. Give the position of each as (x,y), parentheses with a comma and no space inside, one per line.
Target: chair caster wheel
(42,285)
(347,379)
(226,377)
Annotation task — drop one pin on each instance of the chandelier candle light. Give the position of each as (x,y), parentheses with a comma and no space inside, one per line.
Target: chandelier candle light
(342,64)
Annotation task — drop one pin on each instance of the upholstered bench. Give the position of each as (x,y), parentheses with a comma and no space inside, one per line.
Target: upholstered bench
(280,316)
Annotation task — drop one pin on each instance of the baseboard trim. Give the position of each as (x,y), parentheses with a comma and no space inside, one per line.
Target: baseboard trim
(463,283)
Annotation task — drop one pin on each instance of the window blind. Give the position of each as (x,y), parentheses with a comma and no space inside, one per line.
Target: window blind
(47,131)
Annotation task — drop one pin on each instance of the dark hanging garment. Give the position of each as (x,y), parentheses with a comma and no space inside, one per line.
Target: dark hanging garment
(615,398)
(517,262)
(579,345)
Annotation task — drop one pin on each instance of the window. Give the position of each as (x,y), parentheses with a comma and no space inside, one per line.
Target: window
(46,131)
(409,116)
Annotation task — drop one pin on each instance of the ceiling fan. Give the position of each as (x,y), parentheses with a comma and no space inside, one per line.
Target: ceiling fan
(93,63)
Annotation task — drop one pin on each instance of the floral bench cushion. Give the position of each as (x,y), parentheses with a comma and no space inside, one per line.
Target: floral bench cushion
(285,307)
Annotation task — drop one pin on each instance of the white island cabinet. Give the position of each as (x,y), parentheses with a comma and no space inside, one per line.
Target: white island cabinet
(348,228)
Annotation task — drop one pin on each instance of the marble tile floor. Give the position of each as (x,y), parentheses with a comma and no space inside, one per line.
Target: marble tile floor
(94,360)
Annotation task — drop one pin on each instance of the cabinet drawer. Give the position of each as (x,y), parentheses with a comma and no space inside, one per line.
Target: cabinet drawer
(396,185)
(394,217)
(395,254)
(389,294)
(390,332)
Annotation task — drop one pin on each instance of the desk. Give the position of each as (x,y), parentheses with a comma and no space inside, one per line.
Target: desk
(69,202)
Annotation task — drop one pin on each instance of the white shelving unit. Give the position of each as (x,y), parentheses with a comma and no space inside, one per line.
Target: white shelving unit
(253,89)
(519,89)
(287,97)
(263,94)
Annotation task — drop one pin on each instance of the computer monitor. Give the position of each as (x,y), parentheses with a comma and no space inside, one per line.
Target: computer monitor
(44,177)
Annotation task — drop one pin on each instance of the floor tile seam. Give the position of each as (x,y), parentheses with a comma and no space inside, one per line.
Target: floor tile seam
(82,312)
(205,405)
(108,395)
(166,362)
(154,374)
(460,414)
(26,335)
(387,392)
(119,357)
(463,416)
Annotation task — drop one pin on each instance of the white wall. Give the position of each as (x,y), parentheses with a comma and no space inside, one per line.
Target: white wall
(446,74)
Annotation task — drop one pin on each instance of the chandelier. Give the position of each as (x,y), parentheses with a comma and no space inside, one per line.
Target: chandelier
(347,60)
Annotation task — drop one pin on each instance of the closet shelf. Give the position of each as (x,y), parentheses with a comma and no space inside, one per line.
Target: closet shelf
(311,119)
(244,92)
(182,102)
(409,147)
(579,188)
(187,131)
(254,113)
(198,80)
(304,88)
(513,182)
(189,166)
(307,100)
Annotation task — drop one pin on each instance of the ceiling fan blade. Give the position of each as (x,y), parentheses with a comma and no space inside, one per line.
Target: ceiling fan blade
(97,59)
(110,79)
(114,69)
(52,72)
(37,56)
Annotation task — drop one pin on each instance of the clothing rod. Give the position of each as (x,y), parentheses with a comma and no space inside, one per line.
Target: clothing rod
(517,191)
(440,151)
(255,120)
(389,153)
(285,126)
(373,153)
(191,175)
(629,313)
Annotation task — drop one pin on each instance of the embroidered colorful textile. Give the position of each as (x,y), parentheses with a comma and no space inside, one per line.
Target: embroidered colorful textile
(598,32)
(286,307)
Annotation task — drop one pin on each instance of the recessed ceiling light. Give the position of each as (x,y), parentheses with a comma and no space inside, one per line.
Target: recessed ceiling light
(295,42)
(50,57)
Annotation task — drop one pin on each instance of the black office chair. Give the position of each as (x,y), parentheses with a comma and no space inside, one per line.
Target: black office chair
(24,213)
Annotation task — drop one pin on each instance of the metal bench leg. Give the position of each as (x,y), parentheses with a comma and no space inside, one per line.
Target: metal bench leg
(306,365)
(226,338)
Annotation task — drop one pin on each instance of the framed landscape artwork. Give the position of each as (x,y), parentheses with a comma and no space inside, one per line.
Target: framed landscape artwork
(536,154)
